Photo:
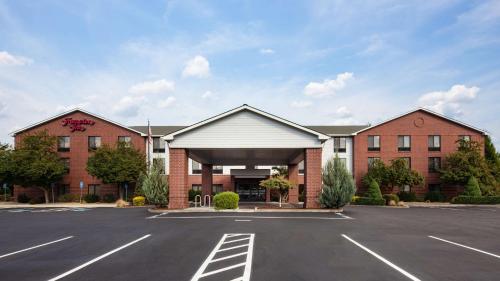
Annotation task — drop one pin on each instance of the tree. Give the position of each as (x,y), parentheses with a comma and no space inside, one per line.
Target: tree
(36,163)
(5,173)
(400,174)
(374,191)
(376,172)
(338,185)
(154,186)
(279,183)
(472,188)
(117,165)
(492,159)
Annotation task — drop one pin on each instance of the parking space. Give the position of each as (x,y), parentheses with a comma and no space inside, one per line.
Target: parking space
(362,243)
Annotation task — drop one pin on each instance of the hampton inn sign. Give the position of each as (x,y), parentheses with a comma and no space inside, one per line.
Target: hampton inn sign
(235,150)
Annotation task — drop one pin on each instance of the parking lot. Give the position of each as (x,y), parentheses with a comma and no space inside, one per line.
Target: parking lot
(362,243)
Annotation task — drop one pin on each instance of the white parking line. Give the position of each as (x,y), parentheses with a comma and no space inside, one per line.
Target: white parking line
(98,258)
(34,247)
(253,217)
(155,216)
(402,271)
(463,246)
(344,216)
(242,220)
(223,241)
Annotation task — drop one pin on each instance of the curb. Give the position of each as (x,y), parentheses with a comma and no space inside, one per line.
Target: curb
(211,210)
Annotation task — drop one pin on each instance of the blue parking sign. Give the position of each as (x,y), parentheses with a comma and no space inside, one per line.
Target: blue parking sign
(81,184)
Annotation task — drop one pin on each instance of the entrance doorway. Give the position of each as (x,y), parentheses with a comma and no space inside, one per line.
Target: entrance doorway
(250,191)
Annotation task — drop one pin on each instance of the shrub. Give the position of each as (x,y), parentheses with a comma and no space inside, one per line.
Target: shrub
(368,201)
(23,198)
(407,196)
(68,198)
(373,191)
(192,194)
(476,200)
(434,196)
(139,201)
(91,198)
(109,198)
(226,200)
(338,185)
(472,187)
(389,197)
(155,186)
(37,200)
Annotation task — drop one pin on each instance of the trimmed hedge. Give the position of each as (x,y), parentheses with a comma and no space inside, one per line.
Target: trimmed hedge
(139,201)
(226,200)
(68,198)
(91,198)
(476,200)
(109,198)
(389,197)
(407,196)
(434,196)
(23,198)
(367,201)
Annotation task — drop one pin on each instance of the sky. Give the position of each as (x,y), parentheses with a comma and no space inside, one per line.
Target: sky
(312,62)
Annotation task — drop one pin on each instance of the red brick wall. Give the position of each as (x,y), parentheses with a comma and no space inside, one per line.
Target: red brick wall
(178,177)
(226,181)
(206,179)
(293,176)
(419,125)
(79,153)
(312,177)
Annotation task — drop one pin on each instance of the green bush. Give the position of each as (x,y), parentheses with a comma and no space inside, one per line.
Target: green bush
(476,200)
(407,196)
(109,198)
(37,200)
(472,187)
(23,198)
(68,198)
(139,201)
(226,200)
(338,185)
(389,197)
(192,194)
(435,196)
(368,201)
(373,191)
(91,198)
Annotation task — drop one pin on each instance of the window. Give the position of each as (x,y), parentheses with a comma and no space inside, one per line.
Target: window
(406,188)
(217,169)
(373,143)
(217,188)
(434,164)
(343,161)
(339,144)
(301,167)
(196,187)
(404,143)
(408,161)
(161,163)
(125,139)
(196,168)
(435,187)
(464,137)
(63,144)
(62,189)
(158,145)
(372,160)
(94,143)
(434,143)
(66,163)
(94,189)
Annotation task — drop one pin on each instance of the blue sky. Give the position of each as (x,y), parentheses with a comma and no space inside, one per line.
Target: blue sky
(313,62)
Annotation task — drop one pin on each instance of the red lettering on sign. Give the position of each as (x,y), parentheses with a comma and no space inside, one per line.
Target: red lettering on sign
(77,124)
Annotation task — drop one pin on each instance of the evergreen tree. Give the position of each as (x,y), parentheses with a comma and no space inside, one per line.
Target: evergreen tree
(154,186)
(338,185)
(374,191)
(472,188)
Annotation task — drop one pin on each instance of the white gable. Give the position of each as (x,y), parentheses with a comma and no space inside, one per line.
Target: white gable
(245,129)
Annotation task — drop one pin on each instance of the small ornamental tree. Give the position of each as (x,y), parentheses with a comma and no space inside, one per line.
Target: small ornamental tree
(400,174)
(472,188)
(374,191)
(35,163)
(377,172)
(279,183)
(338,185)
(154,186)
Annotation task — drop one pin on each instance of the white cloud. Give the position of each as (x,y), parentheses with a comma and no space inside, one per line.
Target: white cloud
(343,112)
(301,104)
(266,51)
(207,95)
(153,87)
(166,102)
(128,106)
(449,102)
(197,67)
(328,87)
(8,59)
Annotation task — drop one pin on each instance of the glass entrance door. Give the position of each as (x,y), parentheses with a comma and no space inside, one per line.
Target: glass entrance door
(250,192)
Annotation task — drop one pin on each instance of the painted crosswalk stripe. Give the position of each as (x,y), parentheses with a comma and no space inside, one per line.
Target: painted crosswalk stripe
(221,247)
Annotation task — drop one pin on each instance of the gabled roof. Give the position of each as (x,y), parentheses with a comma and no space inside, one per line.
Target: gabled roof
(430,112)
(338,130)
(244,107)
(158,131)
(70,112)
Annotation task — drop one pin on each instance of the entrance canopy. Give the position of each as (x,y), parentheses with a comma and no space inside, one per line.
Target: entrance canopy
(247,156)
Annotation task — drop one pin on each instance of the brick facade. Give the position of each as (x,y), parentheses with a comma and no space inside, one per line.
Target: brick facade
(293,176)
(206,179)
(178,179)
(312,177)
(419,125)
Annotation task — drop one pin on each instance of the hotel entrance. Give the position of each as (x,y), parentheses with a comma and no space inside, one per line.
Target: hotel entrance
(250,191)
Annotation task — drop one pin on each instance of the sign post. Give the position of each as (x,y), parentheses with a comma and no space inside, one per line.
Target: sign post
(81,191)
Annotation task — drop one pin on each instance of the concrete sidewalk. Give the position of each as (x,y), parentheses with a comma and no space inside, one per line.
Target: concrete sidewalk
(10,205)
(448,205)
(257,210)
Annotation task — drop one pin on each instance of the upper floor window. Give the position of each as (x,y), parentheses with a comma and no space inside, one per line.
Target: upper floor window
(196,167)
(373,143)
(158,145)
(63,144)
(343,161)
(66,163)
(339,144)
(301,167)
(434,164)
(94,143)
(372,160)
(464,137)
(217,169)
(125,139)
(434,143)
(404,143)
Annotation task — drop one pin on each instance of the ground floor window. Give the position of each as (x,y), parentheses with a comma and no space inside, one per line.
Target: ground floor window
(196,187)
(435,187)
(217,188)
(62,189)
(160,162)
(94,189)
